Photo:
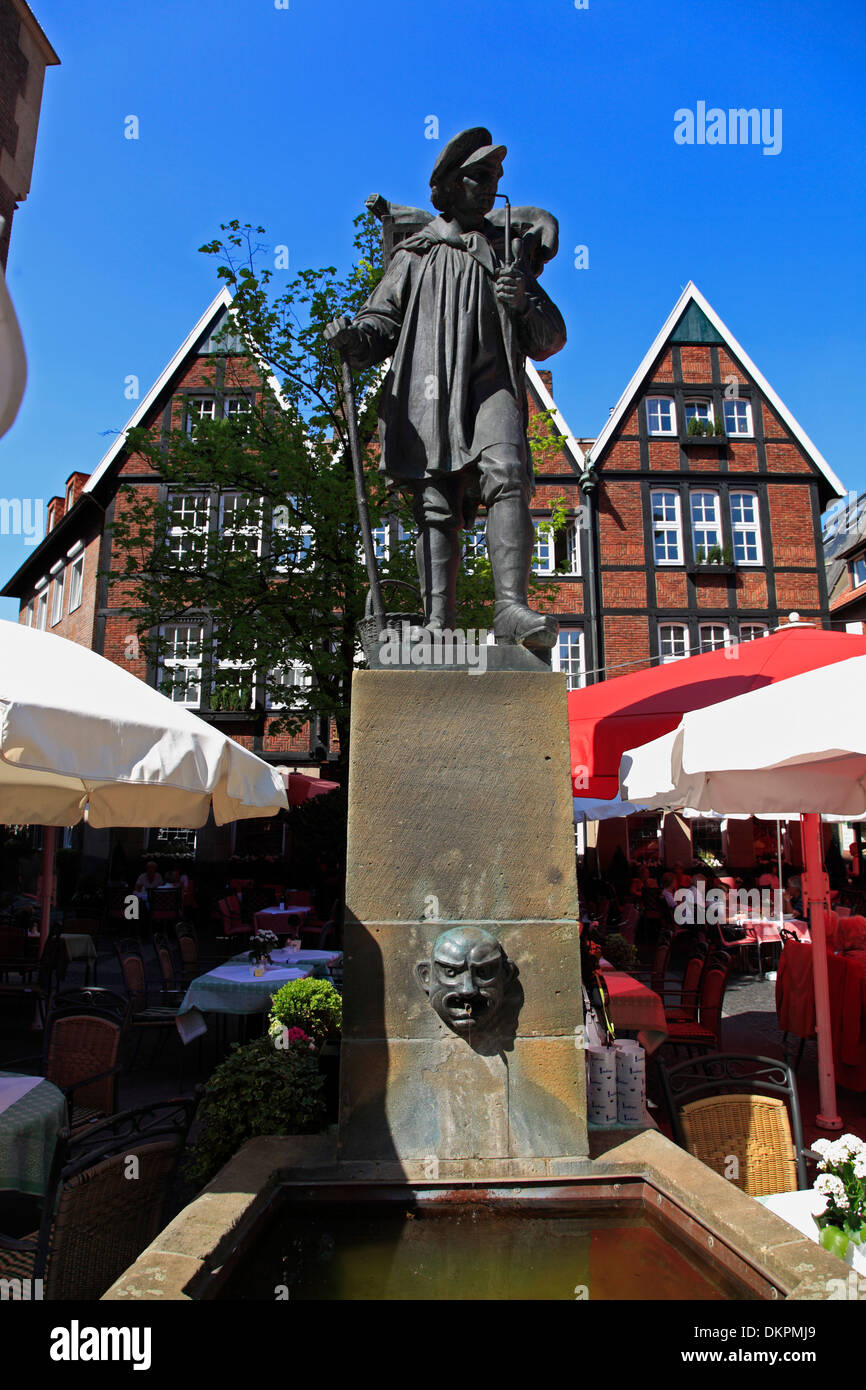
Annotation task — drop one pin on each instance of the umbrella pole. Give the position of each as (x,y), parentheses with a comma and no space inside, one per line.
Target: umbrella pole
(49,840)
(816,893)
(781,898)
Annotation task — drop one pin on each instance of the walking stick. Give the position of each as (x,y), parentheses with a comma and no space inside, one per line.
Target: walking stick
(361,493)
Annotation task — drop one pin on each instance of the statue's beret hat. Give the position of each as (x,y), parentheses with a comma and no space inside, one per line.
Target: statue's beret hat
(472,146)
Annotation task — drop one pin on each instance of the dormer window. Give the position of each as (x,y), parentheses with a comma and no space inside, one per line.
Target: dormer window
(858,571)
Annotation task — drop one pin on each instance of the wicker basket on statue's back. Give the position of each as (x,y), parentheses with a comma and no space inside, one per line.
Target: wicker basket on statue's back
(369,628)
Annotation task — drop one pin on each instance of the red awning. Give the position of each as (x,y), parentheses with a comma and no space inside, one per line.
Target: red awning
(605,720)
(299,788)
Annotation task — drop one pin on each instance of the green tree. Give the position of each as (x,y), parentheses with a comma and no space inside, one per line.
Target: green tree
(259,536)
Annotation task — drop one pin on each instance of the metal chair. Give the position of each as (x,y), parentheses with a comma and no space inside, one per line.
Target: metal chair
(739,1114)
(144,1016)
(705,1031)
(95,1220)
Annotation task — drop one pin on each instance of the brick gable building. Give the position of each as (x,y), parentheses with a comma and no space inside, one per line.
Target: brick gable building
(675,541)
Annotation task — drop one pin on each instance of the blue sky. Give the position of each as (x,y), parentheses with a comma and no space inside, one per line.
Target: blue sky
(290,117)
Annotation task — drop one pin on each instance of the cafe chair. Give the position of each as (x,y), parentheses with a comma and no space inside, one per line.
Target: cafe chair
(49,970)
(95,1220)
(230,916)
(740,1115)
(83,1033)
(166,904)
(705,1032)
(686,1008)
(144,1017)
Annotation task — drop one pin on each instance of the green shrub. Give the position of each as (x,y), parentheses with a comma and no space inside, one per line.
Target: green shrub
(313,1005)
(621,954)
(258,1089)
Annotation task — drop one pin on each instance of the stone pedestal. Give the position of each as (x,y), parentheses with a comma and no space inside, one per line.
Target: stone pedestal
(460,812)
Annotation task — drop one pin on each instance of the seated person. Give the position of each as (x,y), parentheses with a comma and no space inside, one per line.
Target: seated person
(151,878)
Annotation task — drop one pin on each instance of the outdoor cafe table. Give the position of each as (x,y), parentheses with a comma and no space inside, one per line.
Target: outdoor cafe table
(636,1009)
(798,1209)
(234,989)
(32,1113)
(282,921)
(765,931)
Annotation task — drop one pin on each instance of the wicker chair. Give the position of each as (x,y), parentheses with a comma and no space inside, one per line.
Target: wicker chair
(95,1221)
(166,903)
(734,1106)
(83,1033)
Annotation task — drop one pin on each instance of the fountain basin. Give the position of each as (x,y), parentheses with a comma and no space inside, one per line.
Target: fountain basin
(635,1196)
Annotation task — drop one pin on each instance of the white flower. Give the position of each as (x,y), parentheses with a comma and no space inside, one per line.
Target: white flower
(831,1187)
(860,1167)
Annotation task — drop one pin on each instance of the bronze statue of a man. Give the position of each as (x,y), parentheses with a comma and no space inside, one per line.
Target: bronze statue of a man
(458,312)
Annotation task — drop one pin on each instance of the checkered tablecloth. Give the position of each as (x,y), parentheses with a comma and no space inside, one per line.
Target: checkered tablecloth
(233,989)
(32,1113)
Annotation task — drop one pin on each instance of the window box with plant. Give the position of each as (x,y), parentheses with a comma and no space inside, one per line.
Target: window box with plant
(702,431)
(717,559)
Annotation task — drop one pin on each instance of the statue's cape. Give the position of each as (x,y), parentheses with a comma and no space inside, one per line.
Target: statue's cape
(537,228)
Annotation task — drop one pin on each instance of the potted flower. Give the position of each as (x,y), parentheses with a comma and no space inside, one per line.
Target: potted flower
(842,1184)
(261,945)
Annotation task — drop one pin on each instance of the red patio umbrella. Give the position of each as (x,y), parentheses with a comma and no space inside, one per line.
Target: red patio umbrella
(605,720)
(300,788)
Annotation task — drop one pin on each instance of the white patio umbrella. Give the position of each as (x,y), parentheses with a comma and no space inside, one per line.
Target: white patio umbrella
(796,746)
(79,736)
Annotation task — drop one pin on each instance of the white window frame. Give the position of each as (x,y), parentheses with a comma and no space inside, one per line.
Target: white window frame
(715,646)
(199,408)
(251,531)
(658,432)
(57,597)
(746,529)
(544,553)
(858,564)
(667,525)
(76,584)
(703,526)
(756,631)
(179,663)
(475,544)
(666,658)
(180,537)
(42,610)
(235,406)
(695,406)
(568,655)
(572,548)
(302,679)
(227,667)
(729,416)
(302,533)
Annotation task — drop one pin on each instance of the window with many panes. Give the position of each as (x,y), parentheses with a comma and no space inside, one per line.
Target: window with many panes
(706,524)
(543,560)
(673,642)
(200,408)
(750,632)
(572,548)
(667,528)
(293,674)
(241,522)
(661,416)
(188,521)
(57,598)
(698,410)
(858,570)
(180,664)
(475,544)
(76,583)
(714,636)
(745,528)
(567,656)
(233,686)
(291,539)
(737,415)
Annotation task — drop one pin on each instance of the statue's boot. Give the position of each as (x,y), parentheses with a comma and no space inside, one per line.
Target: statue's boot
(510,544)
(437,552)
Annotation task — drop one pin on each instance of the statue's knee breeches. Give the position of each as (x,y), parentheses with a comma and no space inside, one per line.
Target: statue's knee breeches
(439,503)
